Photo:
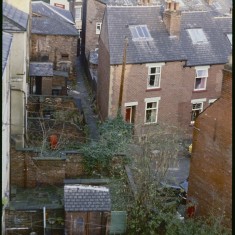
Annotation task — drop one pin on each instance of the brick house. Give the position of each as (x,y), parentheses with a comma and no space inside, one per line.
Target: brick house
(53,37)
(210,176)
(172,68)
(87,209)
(93,13)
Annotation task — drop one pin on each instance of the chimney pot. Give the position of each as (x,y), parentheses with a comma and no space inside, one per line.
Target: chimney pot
(177,6)
(172,4)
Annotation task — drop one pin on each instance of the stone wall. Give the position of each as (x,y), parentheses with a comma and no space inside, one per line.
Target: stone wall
(58,49)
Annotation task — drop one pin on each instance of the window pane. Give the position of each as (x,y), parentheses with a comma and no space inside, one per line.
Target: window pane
(145,31)
(139,31)
(158,69)
(153,70)
(151,116)
(200,83)
(202,73)
(197,106)
(157,80)
(230,38)
(151,105)
(78,13)
(134,32)
(151,80)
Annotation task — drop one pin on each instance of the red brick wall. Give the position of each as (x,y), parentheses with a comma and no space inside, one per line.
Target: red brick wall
(210,179)
(27,172)
(95,12)
(103,84)
(177,83)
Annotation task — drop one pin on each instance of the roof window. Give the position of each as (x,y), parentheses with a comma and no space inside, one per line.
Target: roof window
(140,33)
(197,36)
(229,35)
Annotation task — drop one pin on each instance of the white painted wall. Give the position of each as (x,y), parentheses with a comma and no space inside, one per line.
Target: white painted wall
(5,132)
(23,5)
(19,73)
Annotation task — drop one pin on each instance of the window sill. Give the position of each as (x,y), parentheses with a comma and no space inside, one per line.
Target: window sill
(198,91)
(150,123)
(154,89)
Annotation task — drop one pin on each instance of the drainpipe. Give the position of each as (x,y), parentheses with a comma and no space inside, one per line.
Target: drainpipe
(44,220)
(122,75)
(19,90)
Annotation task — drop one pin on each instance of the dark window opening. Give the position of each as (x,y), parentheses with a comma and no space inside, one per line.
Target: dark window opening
(64,56)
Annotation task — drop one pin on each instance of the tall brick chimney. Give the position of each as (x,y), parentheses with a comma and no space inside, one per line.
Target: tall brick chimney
(172,17)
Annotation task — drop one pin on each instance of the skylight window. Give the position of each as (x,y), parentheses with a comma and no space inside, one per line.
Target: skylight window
(140,33)
(197,36)
(229,35)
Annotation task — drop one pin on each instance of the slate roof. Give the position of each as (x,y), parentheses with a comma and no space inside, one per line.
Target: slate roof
(14,19)
(44,69)
(162,47)
(120,2)
(52,20)
(6,45)
(86,198)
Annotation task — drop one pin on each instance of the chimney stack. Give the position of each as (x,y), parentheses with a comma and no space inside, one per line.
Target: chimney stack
(145,2)
(172,17)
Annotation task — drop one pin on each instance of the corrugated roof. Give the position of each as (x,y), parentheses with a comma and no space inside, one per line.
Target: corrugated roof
(6,45)
(52,20)
(44,69)
(14,19)
(164,47)
(86,198)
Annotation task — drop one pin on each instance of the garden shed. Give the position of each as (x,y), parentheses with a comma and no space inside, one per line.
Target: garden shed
(87,210)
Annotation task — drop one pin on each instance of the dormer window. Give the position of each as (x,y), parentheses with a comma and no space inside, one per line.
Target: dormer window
(197,36)
(140,33)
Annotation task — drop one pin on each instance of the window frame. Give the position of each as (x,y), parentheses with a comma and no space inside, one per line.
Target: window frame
(148,101)
(198,76)
(97,31)
(140,33)
(194,102)
(80,12)
(157,66)
(197,35)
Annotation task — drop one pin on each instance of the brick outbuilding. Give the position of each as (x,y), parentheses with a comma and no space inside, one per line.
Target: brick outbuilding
(87,209)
